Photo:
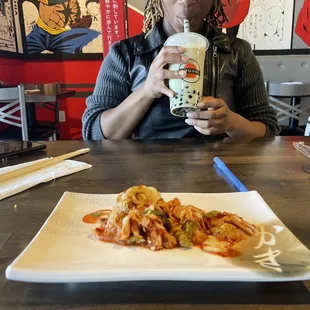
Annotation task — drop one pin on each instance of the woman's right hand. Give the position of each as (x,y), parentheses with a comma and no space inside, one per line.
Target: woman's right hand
(155,86)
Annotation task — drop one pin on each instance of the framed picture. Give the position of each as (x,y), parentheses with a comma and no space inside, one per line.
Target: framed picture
(62,29)
(10,31)
(270,27)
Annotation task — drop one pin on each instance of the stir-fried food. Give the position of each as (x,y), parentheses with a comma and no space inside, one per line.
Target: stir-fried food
(141,217)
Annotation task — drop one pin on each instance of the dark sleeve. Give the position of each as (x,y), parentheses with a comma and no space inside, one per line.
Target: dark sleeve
(112,88)
(251,95)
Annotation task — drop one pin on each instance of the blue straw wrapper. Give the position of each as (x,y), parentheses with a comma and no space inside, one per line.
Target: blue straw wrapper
(230,176)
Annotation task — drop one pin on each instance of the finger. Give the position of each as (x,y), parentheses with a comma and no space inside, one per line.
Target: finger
(205,115)
(168,58)
(209,131)
(208,114)
(161,88)
(204,124)
(172,50)
(173,74)
(210,102)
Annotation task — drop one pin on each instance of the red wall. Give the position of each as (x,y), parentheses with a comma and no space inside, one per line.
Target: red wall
(11,73)
(135,22)
(66,72)
(11,70)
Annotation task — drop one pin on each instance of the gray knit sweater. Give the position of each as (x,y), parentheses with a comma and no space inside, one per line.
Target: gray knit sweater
(116,81)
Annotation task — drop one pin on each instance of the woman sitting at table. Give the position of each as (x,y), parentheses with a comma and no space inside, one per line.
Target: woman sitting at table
(131,97)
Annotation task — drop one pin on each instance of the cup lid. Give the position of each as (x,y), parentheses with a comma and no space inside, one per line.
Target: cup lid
(186,39)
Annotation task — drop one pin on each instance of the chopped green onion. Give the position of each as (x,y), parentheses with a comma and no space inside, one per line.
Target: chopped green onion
(210,214)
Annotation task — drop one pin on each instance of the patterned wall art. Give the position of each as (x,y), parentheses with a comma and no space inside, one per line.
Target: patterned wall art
(74,27)
(10,32)
(62,26)
(268,25)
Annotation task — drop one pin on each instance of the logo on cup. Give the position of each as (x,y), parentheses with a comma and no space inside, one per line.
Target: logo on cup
(193,71)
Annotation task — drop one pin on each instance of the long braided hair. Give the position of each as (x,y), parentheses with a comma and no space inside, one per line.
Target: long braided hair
(154,12)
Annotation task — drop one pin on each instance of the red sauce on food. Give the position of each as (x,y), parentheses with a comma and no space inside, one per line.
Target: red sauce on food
(93,218)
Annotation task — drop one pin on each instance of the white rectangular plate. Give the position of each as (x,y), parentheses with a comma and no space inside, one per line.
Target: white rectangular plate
(64,250)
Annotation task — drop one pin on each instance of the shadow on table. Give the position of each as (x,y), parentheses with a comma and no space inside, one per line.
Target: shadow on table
(294,293)
(213,143)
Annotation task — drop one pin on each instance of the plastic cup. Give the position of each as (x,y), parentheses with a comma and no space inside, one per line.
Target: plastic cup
(188,90)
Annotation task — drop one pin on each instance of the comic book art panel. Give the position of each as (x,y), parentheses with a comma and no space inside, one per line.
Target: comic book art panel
(10,33)
(268,25)
(62,26)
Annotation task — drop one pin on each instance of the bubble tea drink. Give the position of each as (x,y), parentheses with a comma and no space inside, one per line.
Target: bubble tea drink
(188,90)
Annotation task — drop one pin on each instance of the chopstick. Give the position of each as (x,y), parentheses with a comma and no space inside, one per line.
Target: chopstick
(229,175)
(40,165)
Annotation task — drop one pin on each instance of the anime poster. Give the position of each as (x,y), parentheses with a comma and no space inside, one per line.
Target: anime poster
(268,25)
(62,26)
(10,34)
(301,37)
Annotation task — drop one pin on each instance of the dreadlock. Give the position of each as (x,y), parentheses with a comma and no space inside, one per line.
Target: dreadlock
(154,12)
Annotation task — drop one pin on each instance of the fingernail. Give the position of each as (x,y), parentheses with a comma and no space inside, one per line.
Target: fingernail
(189,122)
(190,115)
(180,48)
(182,73)
(185,59)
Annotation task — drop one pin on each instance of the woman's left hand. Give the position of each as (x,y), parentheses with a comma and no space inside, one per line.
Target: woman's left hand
(213,117)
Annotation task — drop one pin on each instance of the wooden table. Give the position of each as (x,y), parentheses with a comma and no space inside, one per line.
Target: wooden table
(273,167)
